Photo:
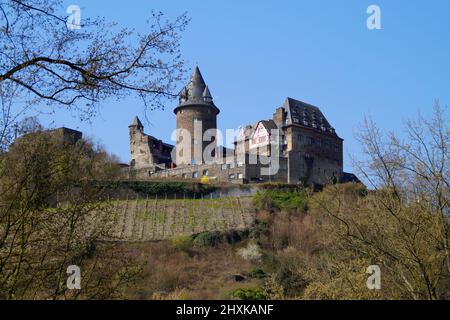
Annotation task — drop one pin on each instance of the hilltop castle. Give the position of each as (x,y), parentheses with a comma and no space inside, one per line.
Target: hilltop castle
(299,138)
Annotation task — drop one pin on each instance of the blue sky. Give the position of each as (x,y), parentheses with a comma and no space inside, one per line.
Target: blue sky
(253,54)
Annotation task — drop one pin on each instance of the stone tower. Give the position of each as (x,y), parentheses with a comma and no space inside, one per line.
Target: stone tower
(147,151)
(139,156)
(195,113)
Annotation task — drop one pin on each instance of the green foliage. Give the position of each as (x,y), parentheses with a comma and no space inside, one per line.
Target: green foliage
(280,186)
(182,242)
(259,229)
(249,294)
(257,273)
(162,188)
(281,199)
(207,239)
(213,238)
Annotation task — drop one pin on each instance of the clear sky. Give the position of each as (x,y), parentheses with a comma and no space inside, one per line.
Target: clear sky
(253,54)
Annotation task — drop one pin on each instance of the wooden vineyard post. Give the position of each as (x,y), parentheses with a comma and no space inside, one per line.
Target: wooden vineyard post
(183,227)
(124,218)
(144,220)
(154,218)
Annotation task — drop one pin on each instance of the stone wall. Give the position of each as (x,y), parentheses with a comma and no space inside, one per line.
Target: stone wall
(313,157)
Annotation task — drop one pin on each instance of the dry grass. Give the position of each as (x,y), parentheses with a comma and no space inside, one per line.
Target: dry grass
(296,230)
(170,273)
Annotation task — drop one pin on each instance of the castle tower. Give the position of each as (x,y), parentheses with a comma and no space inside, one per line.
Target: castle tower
(195,113)
(139,157)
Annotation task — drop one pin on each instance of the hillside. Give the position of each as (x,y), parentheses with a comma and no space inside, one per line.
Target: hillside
(159,219)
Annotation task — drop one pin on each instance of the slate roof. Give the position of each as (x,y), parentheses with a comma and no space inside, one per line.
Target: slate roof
(196,92)
(306,115)
(269,125)
(136,123)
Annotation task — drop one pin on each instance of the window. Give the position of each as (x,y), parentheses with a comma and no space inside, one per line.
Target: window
(231,176)
(224,166)
(195,174)
(205,173)
(240,176)
(194,141)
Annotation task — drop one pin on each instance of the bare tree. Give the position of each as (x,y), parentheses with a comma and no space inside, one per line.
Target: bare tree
(43,62)
(48,62)
(54,213)
(402,223)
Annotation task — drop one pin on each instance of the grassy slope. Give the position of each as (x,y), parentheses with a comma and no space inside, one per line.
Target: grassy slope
(159,219)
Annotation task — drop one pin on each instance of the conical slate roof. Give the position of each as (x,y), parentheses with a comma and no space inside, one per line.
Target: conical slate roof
(207,95)
(196,92)
(196,86)
(136,123)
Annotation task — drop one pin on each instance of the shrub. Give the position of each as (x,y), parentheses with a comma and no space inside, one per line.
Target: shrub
(182,242)
(273,288)
(283,199)
(257,273)
(213,238)
(259,229)
(252,252)
(177,294)
(249,294)
(207,239)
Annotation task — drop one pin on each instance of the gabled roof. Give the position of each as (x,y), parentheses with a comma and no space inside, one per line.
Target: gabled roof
(269,125)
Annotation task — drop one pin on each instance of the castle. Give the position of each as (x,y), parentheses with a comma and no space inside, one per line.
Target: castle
(298,139)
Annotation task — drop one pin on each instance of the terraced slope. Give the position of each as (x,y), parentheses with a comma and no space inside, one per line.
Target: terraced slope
(158,219)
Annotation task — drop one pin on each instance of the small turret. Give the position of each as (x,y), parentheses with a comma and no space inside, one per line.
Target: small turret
(207,97)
